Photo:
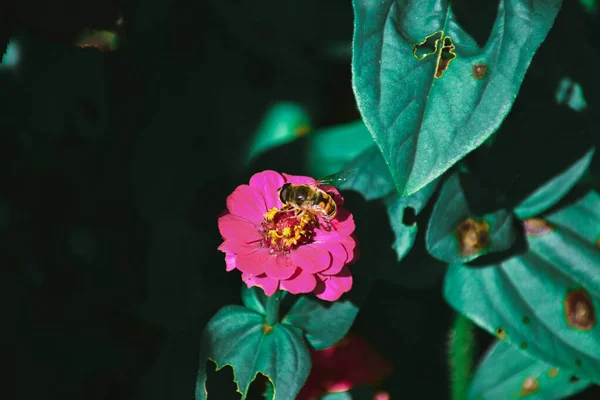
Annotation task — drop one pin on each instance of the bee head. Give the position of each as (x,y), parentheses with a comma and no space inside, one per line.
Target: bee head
(283,193)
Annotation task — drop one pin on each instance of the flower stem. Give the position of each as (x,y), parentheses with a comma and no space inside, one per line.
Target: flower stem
(272,307)
(461,351)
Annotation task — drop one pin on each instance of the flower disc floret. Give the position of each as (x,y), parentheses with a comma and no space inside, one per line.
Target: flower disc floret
(277,246)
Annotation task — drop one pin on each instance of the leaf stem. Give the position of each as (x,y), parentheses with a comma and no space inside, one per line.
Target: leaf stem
(461,346)
(272,307)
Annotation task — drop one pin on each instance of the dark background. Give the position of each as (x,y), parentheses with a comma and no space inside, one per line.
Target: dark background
(115,165)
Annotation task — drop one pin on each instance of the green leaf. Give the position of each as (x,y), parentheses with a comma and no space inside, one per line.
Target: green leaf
(551,192)
(581,218)
(396,207)
(424,124)
(254,299)
(372,178)
(451,213)
(526,300)
(507,372)
(235,337)
(283,123)
(324,323)
(329,150)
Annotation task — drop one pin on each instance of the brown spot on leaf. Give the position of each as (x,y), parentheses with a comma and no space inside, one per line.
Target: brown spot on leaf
(266,329)
(501,333)
(598,242)
(537,227)
(579,310)
(445,57)
(523,345)
(473,236)
(428,46)
(526,320)
(573,379)
(530,386)
(302,130)
(479,70)
(552,372)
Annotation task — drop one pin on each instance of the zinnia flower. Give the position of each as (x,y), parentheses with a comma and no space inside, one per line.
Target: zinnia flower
(350,363)
(275,247)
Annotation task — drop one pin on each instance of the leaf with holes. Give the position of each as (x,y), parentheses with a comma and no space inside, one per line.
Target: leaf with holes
(507,372)
(545,301)
(323,323)
(372,176)
(551,192)
(330,150)
(396,206)
(455,235)
(428,93)
(235,336)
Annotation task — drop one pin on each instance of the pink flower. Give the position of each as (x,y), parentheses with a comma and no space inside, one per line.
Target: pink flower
(276,247)
(349,363)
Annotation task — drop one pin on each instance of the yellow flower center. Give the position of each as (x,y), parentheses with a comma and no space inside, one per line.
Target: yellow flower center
(284,229)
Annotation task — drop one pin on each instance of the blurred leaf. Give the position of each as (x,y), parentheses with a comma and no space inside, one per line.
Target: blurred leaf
(507,372)
(283,123)
(571,94)
(372,178)
(102,40)
(544,301)
(10,57)
(329,150)
(581,218)
(551,192)
(396,206)
(235,336)
(324,323)
(426,106)
(454,234)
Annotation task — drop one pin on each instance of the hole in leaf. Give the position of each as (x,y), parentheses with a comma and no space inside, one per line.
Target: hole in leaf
(573,379)
(579,310)
(428,46)
(409,218)
(445,58)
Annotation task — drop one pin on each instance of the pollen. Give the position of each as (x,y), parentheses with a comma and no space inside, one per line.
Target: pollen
(285,229)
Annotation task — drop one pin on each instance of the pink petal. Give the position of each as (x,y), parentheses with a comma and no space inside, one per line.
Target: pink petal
(311,258)
(230,262)
(232,246)
(300,282)
(268,285)
(238,229)
(332,287)
(338,256)
(343,223)
(298,179)
(268,183)
(279,267)
(248,203)
(254,262)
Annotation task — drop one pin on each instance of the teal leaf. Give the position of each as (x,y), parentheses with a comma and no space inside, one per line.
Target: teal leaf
(283,123)
(507,372)
(396,206)
(451,215)
(544,301)
(372,176)
(570,93)
(235,337)
(329,150)
(428,93)
(551,192)
(254,298)
(324,323)
(581,218)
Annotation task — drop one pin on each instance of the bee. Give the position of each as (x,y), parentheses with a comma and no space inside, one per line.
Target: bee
(313,197)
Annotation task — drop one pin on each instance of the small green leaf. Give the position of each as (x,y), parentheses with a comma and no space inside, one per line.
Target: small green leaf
(254,298)
(235,336)
(428,93)
(507,372)
(551,192)
(581,218)
(337,396)
(545,301)
(455,235)
(372,176)
(396,207)
(324,323)
(283,123)
(329,150)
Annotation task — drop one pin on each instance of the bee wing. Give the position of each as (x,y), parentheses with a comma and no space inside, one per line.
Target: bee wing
(335,179)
